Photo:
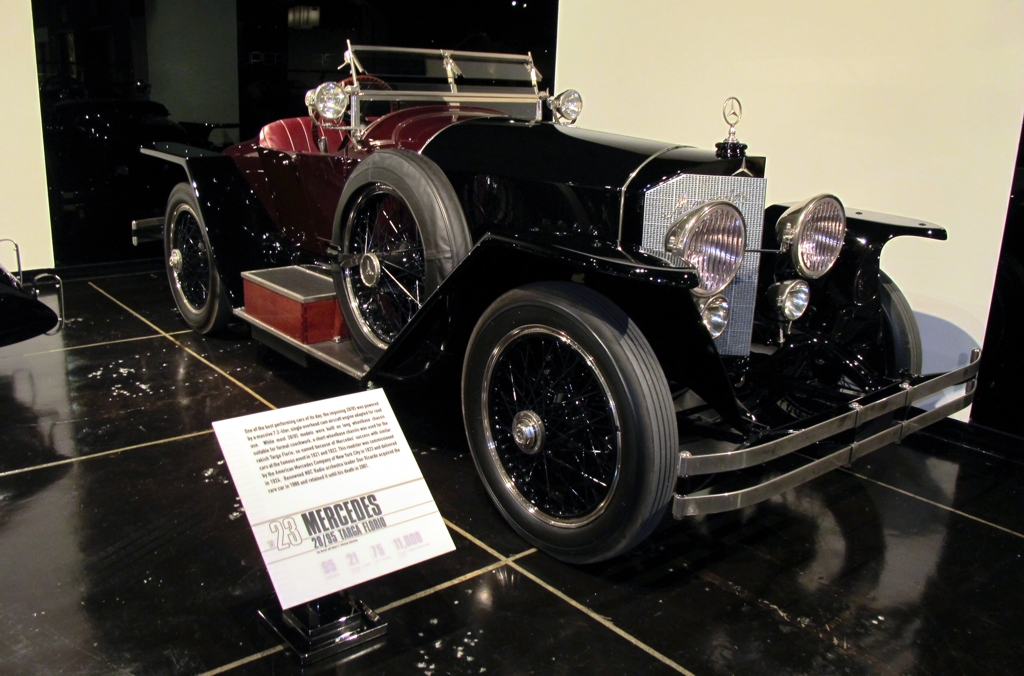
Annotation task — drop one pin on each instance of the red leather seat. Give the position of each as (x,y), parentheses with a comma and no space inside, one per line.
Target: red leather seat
(295,135)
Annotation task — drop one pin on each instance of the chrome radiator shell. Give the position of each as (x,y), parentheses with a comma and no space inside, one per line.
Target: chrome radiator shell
(667,202)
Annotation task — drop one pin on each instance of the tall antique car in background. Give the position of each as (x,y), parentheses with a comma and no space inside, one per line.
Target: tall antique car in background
(636,331)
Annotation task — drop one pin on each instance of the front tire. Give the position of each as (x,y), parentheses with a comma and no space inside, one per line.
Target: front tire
(195,283)
(570,421)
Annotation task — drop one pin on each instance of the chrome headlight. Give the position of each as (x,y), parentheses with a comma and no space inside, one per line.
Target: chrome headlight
(712,238)
(714,312)
(813,231)
(330,101)
(567,106)
(790,299)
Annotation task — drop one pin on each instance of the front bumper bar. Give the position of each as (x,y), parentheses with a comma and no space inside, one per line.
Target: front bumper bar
(714,457)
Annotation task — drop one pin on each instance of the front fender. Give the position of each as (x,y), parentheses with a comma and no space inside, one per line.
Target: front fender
(657,298)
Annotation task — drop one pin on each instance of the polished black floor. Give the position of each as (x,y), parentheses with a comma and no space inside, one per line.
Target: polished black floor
(123,548)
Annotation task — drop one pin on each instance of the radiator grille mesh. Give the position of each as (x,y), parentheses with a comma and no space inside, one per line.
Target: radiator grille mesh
(666,203)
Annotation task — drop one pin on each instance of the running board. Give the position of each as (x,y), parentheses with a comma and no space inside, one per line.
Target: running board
(341,355)
(294,310)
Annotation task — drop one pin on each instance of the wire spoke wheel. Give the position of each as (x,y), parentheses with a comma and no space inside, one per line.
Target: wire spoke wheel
(389,285)
(570,420)
(552,425)
(197,288)
(190,259)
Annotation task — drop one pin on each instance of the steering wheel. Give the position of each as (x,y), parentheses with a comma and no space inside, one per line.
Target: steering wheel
(374,83)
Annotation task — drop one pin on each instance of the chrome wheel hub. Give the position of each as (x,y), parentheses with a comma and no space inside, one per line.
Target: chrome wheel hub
(175,261)
(369,269)
(528,432)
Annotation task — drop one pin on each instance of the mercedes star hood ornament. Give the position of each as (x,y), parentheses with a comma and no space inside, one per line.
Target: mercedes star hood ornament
(731,148)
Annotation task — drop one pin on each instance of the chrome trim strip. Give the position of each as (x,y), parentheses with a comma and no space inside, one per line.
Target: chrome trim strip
(447,97)
(50,278)
(147,230)
(693,464)
(331,353)
(625,186)
(693,505)
(491,56)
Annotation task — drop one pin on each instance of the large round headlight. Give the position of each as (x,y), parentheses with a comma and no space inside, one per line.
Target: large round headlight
(567,106)
(813,231)
(330,101)
(712,238)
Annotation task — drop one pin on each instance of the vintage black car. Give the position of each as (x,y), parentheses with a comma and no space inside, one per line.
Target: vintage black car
(635,330)
(22,314)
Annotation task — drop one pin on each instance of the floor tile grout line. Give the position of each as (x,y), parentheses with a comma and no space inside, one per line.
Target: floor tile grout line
(389,606)
(242,662)
(937,504)
(439,587)
(81,347)
(187,349)
(602,620)
(103,453)
(605,622)
(450,583)
(493,552)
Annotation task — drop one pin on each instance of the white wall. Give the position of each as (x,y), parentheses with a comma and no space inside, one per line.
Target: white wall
(26,216)
(911,108)
(192,50)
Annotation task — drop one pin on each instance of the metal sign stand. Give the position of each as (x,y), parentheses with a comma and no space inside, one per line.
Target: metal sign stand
(325,626)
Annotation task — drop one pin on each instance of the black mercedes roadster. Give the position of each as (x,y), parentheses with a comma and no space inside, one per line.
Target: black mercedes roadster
(636,331)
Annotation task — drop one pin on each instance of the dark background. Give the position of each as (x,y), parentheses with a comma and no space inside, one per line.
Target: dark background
(92,54)
(95,53)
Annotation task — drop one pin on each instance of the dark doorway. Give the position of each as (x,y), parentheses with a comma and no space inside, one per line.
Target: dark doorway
(997,403)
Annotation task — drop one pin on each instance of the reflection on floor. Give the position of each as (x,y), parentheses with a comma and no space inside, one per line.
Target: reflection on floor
(123,548)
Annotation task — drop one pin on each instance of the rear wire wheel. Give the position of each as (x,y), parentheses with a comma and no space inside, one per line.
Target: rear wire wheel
(570,421)
(191,271)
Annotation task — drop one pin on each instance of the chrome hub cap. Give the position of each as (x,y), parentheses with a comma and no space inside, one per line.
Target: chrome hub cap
(528,432)
(369,269)
(175,261)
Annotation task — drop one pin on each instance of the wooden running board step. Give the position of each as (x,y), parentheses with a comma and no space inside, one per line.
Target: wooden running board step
(294,310)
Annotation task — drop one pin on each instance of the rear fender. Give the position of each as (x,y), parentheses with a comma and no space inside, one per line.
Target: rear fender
(242,234)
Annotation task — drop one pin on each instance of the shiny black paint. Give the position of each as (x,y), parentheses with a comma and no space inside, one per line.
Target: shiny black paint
(495,265)
(550,180)
(672,162)
(242,234)
(543,203)
(21,315)
(845,305)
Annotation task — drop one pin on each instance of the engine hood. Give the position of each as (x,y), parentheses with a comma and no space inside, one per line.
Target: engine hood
(607,174)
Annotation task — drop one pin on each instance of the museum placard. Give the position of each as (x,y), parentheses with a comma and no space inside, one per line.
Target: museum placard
(332,493)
